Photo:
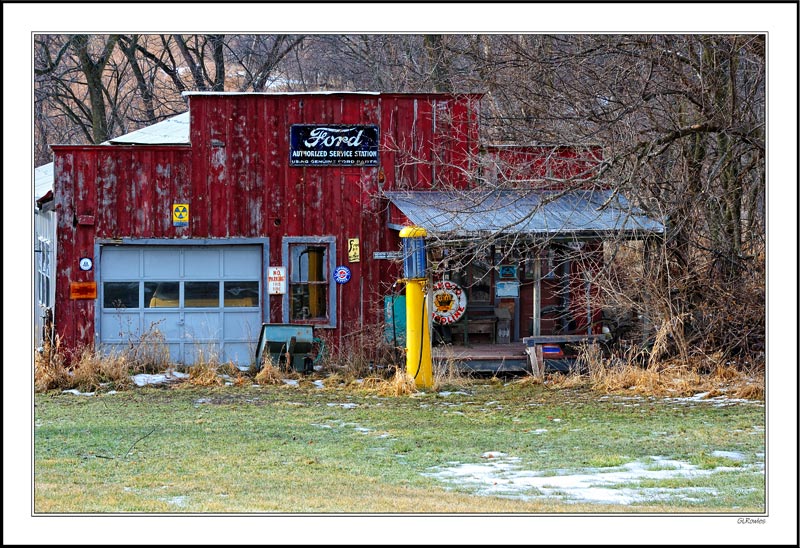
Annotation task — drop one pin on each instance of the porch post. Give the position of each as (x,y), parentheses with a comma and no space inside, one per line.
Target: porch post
(537,295)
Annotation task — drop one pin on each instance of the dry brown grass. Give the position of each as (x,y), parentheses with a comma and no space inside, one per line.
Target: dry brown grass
(371,384)
(95,370)
(91,369)
(529,380)
(402,384)
(360,354)
(561,380)
(269,373)
(447,373)
(49,368)
(88,371)
(148,353)
(206,370)
(675,377)
(239,379)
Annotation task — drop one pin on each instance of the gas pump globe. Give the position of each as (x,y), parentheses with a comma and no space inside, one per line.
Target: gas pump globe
(414,262)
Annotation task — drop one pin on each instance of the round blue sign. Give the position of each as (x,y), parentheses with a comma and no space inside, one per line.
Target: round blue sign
(341,274)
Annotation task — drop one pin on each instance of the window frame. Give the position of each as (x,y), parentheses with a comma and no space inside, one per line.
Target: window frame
(44,272)
(322,241)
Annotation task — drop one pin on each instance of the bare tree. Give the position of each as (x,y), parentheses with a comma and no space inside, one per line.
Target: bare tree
(72,77)
(681,120)
(90,88)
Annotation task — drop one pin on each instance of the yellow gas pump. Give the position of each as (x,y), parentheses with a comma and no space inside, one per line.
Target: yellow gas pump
(418,340)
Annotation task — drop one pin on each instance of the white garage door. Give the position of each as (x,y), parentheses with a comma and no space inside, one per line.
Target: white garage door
(195,299)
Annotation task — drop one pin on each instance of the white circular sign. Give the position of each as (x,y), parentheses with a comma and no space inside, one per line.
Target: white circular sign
(449,302)
(85,263)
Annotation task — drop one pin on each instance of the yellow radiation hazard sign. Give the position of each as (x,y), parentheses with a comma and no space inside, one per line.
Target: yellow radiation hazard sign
(180,214)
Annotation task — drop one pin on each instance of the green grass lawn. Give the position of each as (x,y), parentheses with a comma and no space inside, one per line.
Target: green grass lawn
(484,447)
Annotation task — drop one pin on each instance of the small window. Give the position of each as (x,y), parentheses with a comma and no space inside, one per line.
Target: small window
(43,274)
(201,294)
(121,295)
(241,294)
(161,294)
(309,281)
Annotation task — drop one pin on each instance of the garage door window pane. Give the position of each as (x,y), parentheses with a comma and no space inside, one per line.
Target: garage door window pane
(201,294)
(161,295)
(241,293)
(121,295)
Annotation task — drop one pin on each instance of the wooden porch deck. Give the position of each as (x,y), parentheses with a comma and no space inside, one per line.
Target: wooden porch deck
(484,357)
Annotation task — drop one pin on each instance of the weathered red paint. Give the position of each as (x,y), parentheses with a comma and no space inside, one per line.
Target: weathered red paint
(542,166)
(237,180)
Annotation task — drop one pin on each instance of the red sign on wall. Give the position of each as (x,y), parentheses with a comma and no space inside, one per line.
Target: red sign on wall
(83,290)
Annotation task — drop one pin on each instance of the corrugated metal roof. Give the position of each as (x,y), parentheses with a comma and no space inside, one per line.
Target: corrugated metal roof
(537,212)
(172,131)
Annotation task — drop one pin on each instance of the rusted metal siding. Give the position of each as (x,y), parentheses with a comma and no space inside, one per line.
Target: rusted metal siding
(236,178)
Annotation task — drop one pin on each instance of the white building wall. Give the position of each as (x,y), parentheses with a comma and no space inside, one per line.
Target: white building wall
(44,261)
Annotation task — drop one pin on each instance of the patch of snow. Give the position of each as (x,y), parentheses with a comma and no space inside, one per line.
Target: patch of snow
(717,401)
(445,394)
(344,405)
(503,477)
(733,455)
(143,379)
(492,455)
(319,384)
(179,500)
(290,382)
(539,431)
(77,392)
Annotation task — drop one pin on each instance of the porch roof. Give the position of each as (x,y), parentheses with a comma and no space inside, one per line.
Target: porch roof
(552,213)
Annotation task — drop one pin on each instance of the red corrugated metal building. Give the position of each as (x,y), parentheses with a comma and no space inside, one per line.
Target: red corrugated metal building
(169,237)
(285,209)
